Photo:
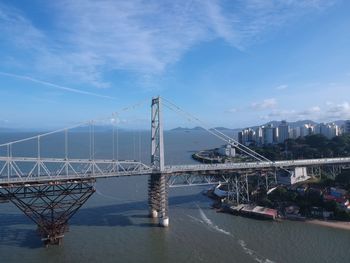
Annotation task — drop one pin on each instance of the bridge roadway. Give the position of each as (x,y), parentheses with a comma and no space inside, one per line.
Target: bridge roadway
(47,170)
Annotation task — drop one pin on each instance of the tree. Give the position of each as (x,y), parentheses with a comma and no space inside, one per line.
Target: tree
(344,179)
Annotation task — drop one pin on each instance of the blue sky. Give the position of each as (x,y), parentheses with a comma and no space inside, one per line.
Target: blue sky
(232,63)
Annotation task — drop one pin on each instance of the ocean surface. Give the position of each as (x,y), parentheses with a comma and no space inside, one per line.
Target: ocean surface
(113,226)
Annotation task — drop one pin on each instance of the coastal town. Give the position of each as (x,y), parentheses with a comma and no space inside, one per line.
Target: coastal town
(317,197)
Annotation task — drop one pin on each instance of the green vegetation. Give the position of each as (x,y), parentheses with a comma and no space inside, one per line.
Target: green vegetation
(312,197)
(312,146)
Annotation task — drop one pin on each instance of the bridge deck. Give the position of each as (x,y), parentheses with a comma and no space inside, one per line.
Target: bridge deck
(76,169)
(256,165)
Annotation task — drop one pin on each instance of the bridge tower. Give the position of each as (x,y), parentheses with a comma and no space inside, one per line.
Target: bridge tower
(158,188)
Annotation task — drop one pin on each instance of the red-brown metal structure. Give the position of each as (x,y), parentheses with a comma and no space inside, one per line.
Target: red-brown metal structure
(50,205)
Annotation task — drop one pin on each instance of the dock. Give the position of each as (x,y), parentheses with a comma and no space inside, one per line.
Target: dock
(255,211)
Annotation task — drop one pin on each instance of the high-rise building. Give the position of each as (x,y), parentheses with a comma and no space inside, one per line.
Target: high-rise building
(283,132)
(275,135)
(259,136)
(268,134)
(329,130)
(294,133)
(246,136)
(305,130)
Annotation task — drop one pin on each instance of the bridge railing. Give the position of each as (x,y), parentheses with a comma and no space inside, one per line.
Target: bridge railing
(255,165)
(25,169)
(17,169)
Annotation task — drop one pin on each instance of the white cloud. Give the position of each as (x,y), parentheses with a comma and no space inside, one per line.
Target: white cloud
(55,86)
(92,39)
(330,112)
(265,104)
(232,110)
(310,111)
(339,111)
(282,87)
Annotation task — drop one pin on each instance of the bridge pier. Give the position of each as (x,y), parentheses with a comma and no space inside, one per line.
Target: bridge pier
(153,195)
(50,205)
(163,208)
(158,198)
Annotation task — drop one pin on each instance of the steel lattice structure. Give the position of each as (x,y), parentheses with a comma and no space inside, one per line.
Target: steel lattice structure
(51,190)
(51,205)
(19,170)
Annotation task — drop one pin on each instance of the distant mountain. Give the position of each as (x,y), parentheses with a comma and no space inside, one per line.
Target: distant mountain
(222,129)
(188,129)
(301,123)
(225,129)
(180,129)
(339,122)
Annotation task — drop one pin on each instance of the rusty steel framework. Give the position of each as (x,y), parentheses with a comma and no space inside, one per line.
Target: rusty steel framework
(327,171)
(51,190)
(50,205)
(238,189)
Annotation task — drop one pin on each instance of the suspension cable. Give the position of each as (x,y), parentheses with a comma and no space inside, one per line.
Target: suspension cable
(113,138)
(139,145)
(217,133)
(220,135)
(84,123)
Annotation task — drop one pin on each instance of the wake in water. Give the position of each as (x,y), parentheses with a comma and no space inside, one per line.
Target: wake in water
(210,223)
(253,254)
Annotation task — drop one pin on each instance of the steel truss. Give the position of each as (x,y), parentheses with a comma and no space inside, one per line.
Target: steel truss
(179,180)
(50,205)
(328,171)
(267,179)
(238,189)
(23,169)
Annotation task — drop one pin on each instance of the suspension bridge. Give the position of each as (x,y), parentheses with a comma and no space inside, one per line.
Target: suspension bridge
(51,190)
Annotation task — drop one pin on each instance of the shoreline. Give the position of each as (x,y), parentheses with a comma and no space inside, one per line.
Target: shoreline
(333,224)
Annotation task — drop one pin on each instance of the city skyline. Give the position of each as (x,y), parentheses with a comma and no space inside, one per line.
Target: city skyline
(279,132)
(246,62)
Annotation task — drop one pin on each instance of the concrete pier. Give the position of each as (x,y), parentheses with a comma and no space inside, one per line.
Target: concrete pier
(164,222)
